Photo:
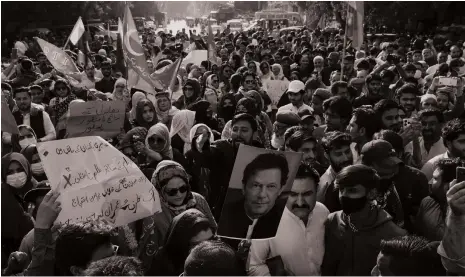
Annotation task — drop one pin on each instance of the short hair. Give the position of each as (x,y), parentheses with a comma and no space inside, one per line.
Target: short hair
(213,258)
(335,139)
(267,161)
(448,167)
(407,88)
(357,174)
(245,117)
(115,266)
(412,256)
(298,138)
(452,130)
(335,87)
(363,64)
(393,138)
(364,118)
(384,105)
(83,239)
(21,90)
(307,171)
(247,73)
(373,77)
(105,63)
(291,131)
(432,112)
(387,74)
(36,87)
(339,105)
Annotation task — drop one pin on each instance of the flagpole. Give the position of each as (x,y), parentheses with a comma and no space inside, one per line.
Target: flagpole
(345,42)
(175,76)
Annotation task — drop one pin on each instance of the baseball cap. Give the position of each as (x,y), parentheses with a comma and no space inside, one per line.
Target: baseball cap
(306,114)
(288,118)
(296,86)
(381,153)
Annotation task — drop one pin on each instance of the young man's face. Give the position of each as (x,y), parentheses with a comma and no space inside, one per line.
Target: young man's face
(391,120)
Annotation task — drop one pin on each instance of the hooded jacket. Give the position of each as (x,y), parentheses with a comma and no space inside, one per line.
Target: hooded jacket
(355,253)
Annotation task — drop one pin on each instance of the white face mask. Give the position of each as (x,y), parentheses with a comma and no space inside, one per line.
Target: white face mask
(16,180)
(37,168)
(26,142)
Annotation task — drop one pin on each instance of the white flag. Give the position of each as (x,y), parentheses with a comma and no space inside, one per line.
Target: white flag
(77,32)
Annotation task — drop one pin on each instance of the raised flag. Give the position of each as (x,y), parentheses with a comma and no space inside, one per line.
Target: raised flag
(57,57)
(77,32)
(167,74)
(354,21)
(8,121)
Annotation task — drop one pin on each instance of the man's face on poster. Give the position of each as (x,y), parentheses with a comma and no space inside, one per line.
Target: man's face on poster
(261,191)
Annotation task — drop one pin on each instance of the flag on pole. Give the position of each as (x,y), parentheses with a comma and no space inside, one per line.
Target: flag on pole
(354,21)
(8,121)
(77,32)
(167,74)
(57,57)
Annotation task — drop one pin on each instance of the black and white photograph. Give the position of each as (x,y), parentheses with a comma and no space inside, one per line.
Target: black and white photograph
(232,138)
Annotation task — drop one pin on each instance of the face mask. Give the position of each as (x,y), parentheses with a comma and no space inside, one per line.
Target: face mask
(16,180)
(352,205)
(26,142)
(37,168)
(417,74)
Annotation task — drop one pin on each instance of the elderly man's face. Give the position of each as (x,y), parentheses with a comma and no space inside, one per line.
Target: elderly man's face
(302,198)
(261,191)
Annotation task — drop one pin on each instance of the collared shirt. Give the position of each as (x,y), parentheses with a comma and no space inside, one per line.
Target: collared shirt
(436,149)
(326,179)
(301,247)
(50,133)
(430,166)
(294,109)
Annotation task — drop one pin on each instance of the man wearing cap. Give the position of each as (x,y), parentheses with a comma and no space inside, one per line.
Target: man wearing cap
(295,92)
(402,188)
(284,120)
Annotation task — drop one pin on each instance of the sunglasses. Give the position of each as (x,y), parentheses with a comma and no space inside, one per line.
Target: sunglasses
(173,192)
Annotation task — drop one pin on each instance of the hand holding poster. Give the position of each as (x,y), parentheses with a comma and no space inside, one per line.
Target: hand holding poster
(96,118)
(275,89)
(96,182)
(256,191)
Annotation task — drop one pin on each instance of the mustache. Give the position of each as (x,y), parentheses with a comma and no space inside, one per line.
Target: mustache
(304,206)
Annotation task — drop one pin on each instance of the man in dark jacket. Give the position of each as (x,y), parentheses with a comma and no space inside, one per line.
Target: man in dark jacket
(353,235)
(221,155)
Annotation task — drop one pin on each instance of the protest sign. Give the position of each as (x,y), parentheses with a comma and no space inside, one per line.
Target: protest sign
(275,89)
(96,181)
(256,194)
(8,121)
(96,118)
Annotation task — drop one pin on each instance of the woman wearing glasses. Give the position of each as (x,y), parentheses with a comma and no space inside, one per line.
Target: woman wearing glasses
(172,183)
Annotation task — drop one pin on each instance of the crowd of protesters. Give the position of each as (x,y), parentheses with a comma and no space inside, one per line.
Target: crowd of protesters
(381,129)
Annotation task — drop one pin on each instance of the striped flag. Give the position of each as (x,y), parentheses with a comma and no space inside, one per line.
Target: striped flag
(77,32)
(354,21)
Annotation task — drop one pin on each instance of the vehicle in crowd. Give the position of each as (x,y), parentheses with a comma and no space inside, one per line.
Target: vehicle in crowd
(292,28)
(140,23)
(235,25)
(190,22)
(224,14)
(160,19)
(271,18)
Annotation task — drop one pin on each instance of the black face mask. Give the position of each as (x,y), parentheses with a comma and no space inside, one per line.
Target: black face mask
(352,205)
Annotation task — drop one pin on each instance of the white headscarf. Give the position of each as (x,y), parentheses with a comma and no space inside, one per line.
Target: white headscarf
(136,97)
(194,129)
(280,75)
(181,125)
(160,130)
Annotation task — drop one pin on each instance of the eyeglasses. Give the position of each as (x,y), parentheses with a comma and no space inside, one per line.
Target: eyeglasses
(173,192)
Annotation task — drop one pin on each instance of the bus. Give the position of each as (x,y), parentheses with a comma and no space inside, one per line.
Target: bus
(235,25)
(190,22)
(293,18)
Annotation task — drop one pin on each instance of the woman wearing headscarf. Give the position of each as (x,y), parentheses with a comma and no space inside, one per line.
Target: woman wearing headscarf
(200,175)
(266,75)
(165,110)
(181,125)
(212,92)
(63,132)
(145,114)
(172,183)
(191,94)
(277,70)
(136,97)
(26,137)
(226,108)
(205,115)
(33,158)
(177,89)
(203,82)
(16,181)
(120,92)
(60,103)
(226,72)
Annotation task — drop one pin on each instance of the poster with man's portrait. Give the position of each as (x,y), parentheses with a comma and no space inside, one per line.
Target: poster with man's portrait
(256,194)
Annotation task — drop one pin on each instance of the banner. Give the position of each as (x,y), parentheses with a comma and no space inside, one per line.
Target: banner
(275,89)
(96,118)
(355,14)
(167,74)
(57,57)
(96,181)
(8,121)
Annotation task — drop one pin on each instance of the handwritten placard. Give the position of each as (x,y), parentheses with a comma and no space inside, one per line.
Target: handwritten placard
(275,89)
(96,118)
(96,181)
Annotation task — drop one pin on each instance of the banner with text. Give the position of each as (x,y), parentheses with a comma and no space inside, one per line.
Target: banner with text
(96,181)
(96,118)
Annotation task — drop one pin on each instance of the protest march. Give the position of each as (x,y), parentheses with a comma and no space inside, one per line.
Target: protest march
(240,138)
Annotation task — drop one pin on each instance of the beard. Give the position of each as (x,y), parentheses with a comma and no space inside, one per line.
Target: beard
(276,141)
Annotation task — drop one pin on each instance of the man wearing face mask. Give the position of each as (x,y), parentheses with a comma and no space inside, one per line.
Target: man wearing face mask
(39,121)
(401,188)
(360,226)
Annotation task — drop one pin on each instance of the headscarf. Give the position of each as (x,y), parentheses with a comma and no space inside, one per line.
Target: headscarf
(228,113)
(266,77)
(164,172)
(212,94)
(28,153)
(136,97)
(15,137)
(162,131)
(196,86)
(61,105)
(140,110)
(6,161)
(181,125)
(166,116)
(255,95)
(124,95)
(280,75)
(194,129)
(249,104)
